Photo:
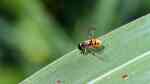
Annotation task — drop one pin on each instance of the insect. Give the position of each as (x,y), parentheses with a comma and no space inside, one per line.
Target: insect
(90,45)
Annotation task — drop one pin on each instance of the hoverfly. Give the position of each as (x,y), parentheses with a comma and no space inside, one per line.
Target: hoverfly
(90,45)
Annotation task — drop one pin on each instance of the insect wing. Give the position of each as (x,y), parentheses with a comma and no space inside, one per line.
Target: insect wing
(91,32)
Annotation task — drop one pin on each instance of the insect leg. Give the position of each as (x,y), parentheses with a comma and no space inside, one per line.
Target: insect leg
(83,51)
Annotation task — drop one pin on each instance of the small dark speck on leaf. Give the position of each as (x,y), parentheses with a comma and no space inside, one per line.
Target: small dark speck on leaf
(58,82)
(125,76)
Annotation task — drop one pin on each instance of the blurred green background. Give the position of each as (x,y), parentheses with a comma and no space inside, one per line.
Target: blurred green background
(34,33)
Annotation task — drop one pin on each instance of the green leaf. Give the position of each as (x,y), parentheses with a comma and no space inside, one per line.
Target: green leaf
(125,48)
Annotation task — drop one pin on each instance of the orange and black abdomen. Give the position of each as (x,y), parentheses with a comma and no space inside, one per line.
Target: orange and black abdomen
(95,43)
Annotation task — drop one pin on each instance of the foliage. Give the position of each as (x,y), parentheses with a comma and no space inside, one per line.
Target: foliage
(34,33)
(125,48)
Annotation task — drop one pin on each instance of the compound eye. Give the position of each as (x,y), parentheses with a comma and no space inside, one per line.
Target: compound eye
(79,46)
